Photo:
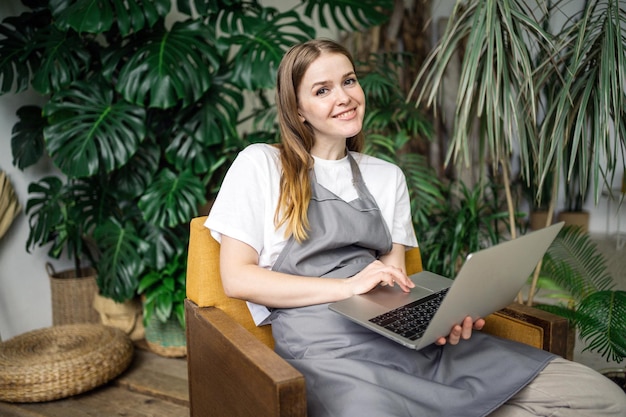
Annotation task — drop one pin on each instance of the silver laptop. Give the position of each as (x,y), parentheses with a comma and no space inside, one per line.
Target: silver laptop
(488,281)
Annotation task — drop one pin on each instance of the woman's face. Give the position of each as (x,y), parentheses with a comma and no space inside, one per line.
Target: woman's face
(331,99)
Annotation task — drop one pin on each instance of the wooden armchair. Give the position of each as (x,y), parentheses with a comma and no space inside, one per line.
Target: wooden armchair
(233,370)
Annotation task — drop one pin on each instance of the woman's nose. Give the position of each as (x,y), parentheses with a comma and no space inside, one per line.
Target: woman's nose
(342,96)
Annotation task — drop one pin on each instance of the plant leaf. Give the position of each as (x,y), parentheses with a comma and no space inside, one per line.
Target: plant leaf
(166,68)
(172,198)
(19,56)
(89,131)
(353,15)
(27,142)
(120,263)
(603,327)
(262,36)
(100,16)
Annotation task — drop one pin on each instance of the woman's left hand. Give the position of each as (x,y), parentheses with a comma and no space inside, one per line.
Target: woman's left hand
(461,331)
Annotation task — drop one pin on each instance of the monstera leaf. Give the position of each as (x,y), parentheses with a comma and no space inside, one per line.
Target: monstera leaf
(164,244)
(64,214)
(134,178)
(166,68)
(64,58)
(99,16)
(90,131)
(45,210)
(19,56)
(349,14)
(27,144)
(262,35)
(208,124)
(121,259)
(172,198)
(207,7)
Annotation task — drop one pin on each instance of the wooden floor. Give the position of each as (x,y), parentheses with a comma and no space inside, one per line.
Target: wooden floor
(153,386)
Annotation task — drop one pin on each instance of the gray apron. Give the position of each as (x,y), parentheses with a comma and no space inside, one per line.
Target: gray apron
(353,372)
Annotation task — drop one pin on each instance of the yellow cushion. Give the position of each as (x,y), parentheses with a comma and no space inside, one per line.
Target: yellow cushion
(204,284)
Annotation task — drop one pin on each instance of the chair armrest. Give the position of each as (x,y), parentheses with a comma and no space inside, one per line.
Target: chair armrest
(232,373)
(534,327)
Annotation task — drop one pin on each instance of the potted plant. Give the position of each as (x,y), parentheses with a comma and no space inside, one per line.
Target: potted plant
(575,277)
(143,115)
(163,295)
(550,94)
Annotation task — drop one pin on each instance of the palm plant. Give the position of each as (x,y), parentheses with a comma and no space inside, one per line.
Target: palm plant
(142,116)
(575,274)
(554,96)
(390,125)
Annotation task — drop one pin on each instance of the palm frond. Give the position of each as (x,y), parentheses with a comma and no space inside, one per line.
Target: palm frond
(575,264)
(575,271)
(602,323)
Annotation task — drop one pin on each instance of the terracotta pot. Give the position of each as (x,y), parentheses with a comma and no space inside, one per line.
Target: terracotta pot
(537,219)
(575,218)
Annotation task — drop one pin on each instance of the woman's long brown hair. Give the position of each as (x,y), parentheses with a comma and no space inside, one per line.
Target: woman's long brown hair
(297,137)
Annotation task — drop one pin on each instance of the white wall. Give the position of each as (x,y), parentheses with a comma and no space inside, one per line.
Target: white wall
(25,302)
(24,285)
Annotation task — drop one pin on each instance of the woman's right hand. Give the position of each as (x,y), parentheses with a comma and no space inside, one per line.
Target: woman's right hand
(378,273)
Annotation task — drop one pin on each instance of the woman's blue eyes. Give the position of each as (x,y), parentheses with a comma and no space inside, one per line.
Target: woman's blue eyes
(324,90)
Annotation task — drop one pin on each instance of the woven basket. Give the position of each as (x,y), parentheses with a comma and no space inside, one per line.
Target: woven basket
(166,339)
(60,361)
(72,297)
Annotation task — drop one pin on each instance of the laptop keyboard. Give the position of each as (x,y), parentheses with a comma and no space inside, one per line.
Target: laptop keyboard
(411,320)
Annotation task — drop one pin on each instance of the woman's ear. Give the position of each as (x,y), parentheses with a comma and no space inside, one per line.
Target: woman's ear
(302,119)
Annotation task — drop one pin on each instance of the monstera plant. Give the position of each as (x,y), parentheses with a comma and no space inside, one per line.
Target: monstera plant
(145,109)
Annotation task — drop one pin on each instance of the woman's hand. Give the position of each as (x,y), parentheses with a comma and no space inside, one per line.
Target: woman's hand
(461,331)
(377,273)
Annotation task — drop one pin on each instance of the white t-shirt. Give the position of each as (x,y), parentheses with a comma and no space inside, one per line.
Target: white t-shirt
(245,205)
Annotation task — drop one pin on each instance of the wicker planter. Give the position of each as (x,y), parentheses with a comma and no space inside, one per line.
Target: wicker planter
(125,316)
(166,339)
(72,296)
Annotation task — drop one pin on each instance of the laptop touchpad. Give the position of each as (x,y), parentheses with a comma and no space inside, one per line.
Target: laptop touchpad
(392,297)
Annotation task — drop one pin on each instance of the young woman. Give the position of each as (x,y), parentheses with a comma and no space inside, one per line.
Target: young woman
(312,221)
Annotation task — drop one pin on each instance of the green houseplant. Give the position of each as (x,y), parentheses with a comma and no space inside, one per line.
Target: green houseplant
(143,115)
(465,220)
(554,95)
(575,275)
(163,295)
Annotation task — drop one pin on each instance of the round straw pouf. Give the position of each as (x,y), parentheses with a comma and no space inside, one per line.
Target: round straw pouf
(60,361)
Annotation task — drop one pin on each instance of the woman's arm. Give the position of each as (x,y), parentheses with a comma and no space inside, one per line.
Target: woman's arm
(395,257)
(244,279)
